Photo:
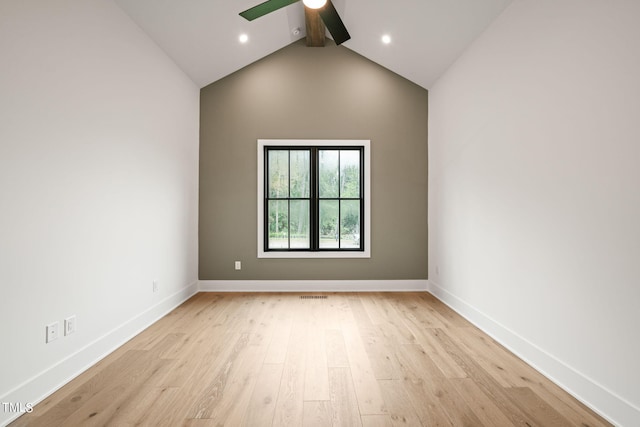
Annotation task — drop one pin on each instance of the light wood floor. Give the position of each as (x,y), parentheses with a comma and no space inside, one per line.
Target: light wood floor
(380,359)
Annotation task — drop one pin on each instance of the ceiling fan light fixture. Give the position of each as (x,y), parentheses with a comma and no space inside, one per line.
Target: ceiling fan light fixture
(326,11)
(314,4)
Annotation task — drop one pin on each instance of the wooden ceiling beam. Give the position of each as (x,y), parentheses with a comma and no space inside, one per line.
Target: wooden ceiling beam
(315,28)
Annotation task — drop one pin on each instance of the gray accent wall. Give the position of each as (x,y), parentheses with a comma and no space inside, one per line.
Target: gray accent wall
(313,93)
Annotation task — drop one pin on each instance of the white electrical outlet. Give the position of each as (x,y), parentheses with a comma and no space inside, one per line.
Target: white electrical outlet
(238,265)
(69,325)
(53,330)
(155,286)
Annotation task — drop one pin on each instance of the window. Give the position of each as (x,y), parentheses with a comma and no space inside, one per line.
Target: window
(313,199)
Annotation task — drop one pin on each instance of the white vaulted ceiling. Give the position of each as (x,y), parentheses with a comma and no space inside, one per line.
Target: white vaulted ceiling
(202,35)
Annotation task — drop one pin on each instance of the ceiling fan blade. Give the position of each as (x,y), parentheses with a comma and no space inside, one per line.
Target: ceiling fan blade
(264,8)
(334,24)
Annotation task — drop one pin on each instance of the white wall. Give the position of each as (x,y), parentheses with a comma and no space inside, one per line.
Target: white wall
(98,187)
(534,192)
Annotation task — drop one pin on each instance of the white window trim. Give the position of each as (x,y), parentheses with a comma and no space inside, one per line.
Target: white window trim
(366,144)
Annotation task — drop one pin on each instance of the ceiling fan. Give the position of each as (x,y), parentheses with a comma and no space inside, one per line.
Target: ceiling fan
(324,8)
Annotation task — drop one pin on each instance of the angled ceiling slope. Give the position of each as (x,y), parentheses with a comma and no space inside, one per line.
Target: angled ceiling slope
(201,36)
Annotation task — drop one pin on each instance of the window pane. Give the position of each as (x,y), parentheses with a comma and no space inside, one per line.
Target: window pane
(278,173)
(299,225)
(278,224)
(328,173)
(350,224)
(300,169)
(329,224)
(350,173)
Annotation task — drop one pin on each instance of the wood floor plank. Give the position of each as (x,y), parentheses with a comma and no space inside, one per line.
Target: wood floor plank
(486,382)
(415,363)
(237,395)
(453,404)
(411,309)
(383,358)
(331,319)
(290,404)
(376,421)
(538,409)
(199,422)
(420,379)
(281,333)
(401,411)
(317,413)
(438,354)
(148,407)
(425,403)
(200,352)
(210,390)
(340,309)
(336,349)
(344,403)
(365,384)
(316,382)
(73,394)
(88,398)
(263,400)
(480,403)
(375,313)
(105,405)
(361,317)
(573,410)
(275,359)
(228,395)
(186,318)
(392,325)
(510,371)
(444,312)
(497,362)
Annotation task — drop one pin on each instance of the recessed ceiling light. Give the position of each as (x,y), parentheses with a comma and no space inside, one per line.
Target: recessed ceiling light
(314,4)
(243,38)
(386,39)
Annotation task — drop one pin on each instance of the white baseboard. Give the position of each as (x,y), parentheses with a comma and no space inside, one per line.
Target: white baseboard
(313,285)
(612,407)
(45,383)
